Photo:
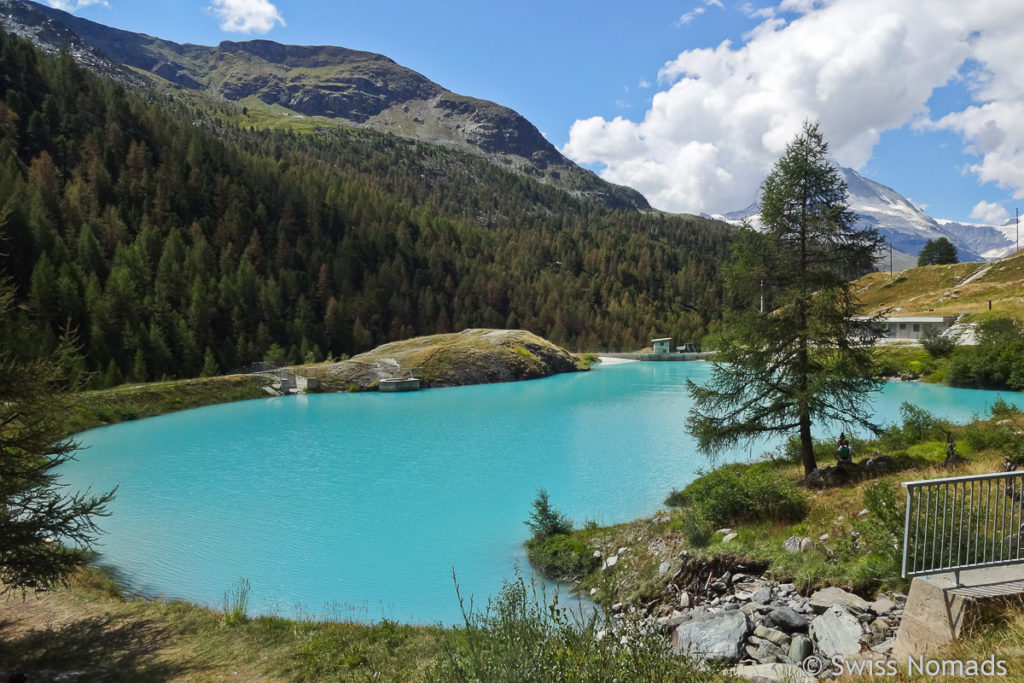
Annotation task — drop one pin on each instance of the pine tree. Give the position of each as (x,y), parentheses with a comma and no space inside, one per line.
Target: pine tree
(210,367)
(939,251)
(545,520)
(793,353)
(43,529)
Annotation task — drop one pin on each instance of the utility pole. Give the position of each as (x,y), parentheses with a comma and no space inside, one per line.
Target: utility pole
(1016,220)
(890,258)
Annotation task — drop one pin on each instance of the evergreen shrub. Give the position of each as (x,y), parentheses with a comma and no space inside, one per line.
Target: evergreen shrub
(739,492)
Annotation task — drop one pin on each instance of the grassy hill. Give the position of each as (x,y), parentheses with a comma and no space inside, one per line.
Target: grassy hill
(948,290)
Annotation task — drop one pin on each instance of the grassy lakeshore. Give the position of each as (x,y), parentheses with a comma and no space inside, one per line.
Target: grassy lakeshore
(90,409)
(90,628)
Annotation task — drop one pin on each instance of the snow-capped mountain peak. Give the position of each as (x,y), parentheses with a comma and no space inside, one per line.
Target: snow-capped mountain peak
(991,241)
(901,222)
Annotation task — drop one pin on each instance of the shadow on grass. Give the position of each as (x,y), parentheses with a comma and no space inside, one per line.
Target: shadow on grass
(94,648)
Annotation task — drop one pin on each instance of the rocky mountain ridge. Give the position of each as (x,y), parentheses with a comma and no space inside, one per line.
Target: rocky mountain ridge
(340,85)
(991,241)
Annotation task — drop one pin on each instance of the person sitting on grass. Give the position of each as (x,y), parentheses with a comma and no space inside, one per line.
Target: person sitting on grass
(843,449)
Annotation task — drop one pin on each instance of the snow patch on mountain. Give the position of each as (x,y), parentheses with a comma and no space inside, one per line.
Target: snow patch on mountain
(991,241)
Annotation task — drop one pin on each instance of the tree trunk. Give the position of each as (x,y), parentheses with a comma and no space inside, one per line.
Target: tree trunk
(807,444)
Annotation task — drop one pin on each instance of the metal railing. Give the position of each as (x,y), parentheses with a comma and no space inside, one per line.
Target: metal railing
(958,523)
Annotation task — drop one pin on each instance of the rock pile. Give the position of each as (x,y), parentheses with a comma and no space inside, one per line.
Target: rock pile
(767,628)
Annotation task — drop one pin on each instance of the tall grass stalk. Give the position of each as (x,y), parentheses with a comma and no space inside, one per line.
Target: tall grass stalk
(236,603)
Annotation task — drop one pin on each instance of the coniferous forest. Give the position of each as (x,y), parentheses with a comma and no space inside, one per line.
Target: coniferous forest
(171,241)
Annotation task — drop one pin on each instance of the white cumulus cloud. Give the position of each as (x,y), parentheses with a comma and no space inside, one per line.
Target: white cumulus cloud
(860,67)
(990,212)
(247,16)
(75,5)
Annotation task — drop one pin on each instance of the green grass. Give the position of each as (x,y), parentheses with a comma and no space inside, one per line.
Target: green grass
(942,290)
(135,401)
(908,362)
(108,638)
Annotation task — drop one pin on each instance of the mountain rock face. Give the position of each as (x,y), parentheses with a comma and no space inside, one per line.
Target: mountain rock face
(349,86)
(903,225)
(992,242)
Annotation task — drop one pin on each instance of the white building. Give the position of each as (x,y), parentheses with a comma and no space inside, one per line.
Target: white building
(913,327)
(663,345)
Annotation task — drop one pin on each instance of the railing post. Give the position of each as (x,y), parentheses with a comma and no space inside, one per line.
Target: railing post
(906,529)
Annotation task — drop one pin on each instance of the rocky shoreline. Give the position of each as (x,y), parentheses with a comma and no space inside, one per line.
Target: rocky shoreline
(724,610)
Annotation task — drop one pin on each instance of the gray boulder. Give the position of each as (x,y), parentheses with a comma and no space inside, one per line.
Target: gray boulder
(837,632)
(885,647)
(883,606)
(800,648)
(827,597)
(787,620)
(879,630)
(771,635)
(792,544)
(839,475)
(764,651)
(773,673)
(712,636)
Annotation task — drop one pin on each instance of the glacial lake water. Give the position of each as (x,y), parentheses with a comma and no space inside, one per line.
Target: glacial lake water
(359,506)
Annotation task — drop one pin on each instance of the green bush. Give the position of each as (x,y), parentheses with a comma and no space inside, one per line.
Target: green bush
(997,362)
(986,435)
(901,361)
(737,493)
(1002,410)
(882,529)
(937,344)
(236,604)
(561,556)
(697,528)
(918,426)
(327,653)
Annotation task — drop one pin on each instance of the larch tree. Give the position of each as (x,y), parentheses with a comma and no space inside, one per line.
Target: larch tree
(43,528)
(793,352)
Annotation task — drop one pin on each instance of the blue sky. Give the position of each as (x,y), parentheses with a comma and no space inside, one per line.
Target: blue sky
(690,102)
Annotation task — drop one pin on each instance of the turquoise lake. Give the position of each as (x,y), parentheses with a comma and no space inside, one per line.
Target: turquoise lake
(359,506)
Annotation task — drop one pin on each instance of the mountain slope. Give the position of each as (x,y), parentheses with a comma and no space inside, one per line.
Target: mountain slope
(947,290)
(341,85)
(176,242)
